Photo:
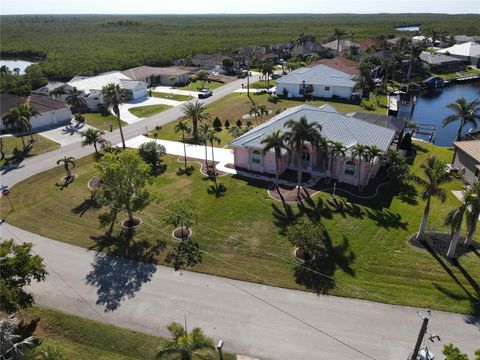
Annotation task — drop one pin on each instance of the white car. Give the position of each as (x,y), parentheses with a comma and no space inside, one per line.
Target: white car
(205,93)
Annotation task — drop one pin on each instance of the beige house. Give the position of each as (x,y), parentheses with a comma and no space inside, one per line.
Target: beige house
(168,76)
(467,159)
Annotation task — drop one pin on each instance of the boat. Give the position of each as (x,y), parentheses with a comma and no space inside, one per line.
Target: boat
(434,82)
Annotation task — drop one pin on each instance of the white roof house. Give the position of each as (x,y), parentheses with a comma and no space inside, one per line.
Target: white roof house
(465,50)
(319,81)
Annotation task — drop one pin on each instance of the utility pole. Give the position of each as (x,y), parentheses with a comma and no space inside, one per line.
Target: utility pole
(420,337)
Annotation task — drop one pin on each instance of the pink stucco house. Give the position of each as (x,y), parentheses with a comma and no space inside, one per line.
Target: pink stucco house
(348,130)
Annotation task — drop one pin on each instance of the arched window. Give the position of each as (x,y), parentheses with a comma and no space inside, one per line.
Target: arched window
(350,168)
(256,157)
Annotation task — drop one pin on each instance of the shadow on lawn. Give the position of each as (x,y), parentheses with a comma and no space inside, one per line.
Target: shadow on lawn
(87,204)
(318,275)
(386,219)
(121,267)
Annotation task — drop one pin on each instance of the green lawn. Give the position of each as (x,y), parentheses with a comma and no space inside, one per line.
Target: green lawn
(175,97)
(235,106)
(197,85)
(84,339)
(261,84)
(242,234)
(13,144)
(149,110)
(101,121)
(456,74)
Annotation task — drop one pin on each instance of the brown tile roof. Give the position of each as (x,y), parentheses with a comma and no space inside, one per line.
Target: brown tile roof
(339,63)
(42,103)
(8,101)
(470,147)
(376,43)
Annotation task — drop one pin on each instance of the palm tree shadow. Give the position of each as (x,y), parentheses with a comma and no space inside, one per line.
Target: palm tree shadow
(218,190)
(65,184)
(284,217)
(121,271)
(314,211)
(386,219)
(344,208)
(86,205)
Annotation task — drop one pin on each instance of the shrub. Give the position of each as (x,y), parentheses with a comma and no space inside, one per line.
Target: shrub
(367,105)
(308,236)
(239,123)
(249,123)
(406,143)
(217,124)
(152,154)
(79,118)
(227,124)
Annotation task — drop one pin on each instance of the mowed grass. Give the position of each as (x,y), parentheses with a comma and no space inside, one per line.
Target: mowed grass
(41,145)
(84,339)
(149,110)
(237,106)
(176,97)
(102,122)
(197,85)
(242,234)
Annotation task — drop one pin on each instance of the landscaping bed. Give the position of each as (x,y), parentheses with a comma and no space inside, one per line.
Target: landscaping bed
(203,168)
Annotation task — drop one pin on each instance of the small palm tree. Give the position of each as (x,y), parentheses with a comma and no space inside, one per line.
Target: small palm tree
(373,153)
(28,112)
(299,133)
(16,120)
(204,131)
(337,149)
(255,111)
(197,113)
(472,198)
(213,138)
(182,127)
(67,162)
(436,175)
(263,110)
(359,152)
(93,137)
(113,96)
(276,142)
(187,345)
(339,33)
(12,345)
(455,219)
(75,100)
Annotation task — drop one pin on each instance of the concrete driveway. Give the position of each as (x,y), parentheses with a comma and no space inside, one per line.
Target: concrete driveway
(66,135)
(170,90)
(128,117)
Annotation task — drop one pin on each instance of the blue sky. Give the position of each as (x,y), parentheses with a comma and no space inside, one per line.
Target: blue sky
(233,7)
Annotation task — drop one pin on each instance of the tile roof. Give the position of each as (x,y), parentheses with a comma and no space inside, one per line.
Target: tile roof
(391,122)
(465,49)
(469,147)
(320,74)
(343,44)
(339,63)
(436,59)
(335,127)
(43,104)
(8,101)
(143,72)
(98,82)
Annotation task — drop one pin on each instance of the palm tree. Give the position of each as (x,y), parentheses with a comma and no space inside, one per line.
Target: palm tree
(339,33)
(28,112)
(299,133)
(197,113)
(373,152)
(67,161)
(276,142)
(337,149)
(13,346)
(75,100)
(113,96)
(266,68)
(455,219)
(15,119)
(436,175)
(255,111)
(185,344)
(204,131)
(182,127)
(263,110)
(472,198)
(467,113)
(212,138)
(359,152)
(323,152)
(93,137)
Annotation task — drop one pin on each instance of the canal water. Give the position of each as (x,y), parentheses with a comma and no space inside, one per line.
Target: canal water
(431,108)
(408,28)
(12,64)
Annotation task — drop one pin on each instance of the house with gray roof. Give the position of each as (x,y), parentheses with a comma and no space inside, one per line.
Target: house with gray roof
(348,130)
(172,75)
(441,62)
(319,81)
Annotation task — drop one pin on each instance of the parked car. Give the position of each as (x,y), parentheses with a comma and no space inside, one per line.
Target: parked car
(205,93)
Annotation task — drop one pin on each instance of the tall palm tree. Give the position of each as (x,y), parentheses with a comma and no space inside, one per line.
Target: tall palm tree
(266,68)
(213,138)
(204,131)
(301,131)
(16,120)
(276,142)
(93,137)
(67,161)
(182,127)
(435,176)
(197,113)
(339,33)
(187,345)
(28,112)
(337,149)
(472,198)
(113,96)
(466,113)
(75,100)
(373,153)
(359,152)
(455,219)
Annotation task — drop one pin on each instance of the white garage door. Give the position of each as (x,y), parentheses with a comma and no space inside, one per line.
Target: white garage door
(139,93)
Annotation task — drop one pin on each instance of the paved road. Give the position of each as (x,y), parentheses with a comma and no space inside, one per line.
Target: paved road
(252,319)
(48,160)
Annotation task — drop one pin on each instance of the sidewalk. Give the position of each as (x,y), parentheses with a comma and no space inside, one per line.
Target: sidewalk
(129,118)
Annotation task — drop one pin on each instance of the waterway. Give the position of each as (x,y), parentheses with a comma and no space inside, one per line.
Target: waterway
(13,63)
(408,28)
(431,108)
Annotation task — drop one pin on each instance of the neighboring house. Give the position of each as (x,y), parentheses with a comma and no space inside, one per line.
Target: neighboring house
(441,62)
(335,127)
(467,159)
(469,51)
(339,63)
(372,43)
(460,39)
(209,61)
(344,44)
(158,75)
(264,52)
(311,48)
(52,112)
(91,87)
(320,81)
(388,121)
(47,89)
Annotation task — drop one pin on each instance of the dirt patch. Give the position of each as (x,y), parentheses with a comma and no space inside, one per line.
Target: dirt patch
(289,193)
(181,233)
(126,224)
(203,168)
(94,183)
(439,242)
(303,256)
